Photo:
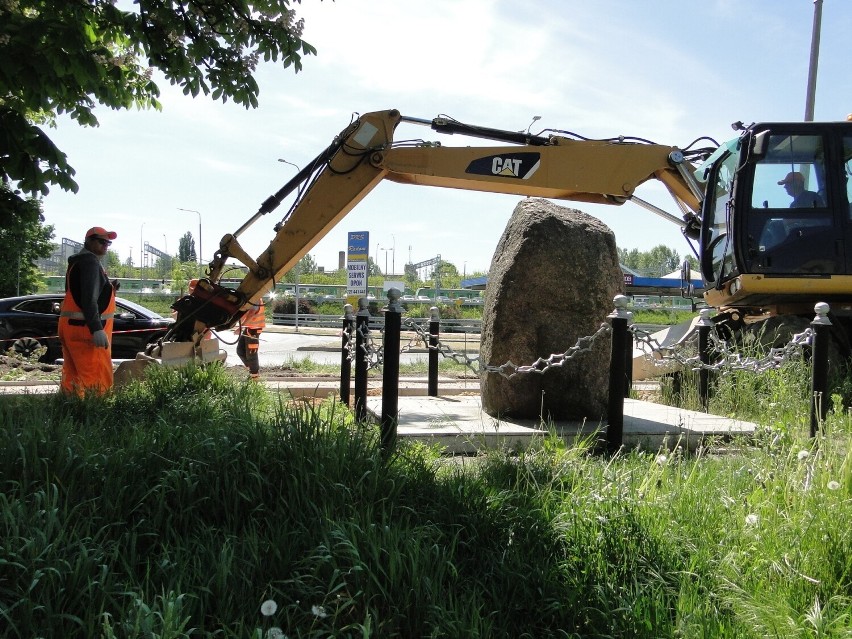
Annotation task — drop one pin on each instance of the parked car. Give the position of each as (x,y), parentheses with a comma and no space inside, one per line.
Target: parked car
(31,321)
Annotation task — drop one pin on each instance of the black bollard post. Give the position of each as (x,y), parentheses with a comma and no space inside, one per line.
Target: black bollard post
(345,353)
(819,380)
(705,325)
(434,330)
(390,372)
(628,358)
(615,408)
(362,327)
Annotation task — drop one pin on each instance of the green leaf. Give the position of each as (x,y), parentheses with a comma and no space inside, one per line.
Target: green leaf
(69,56)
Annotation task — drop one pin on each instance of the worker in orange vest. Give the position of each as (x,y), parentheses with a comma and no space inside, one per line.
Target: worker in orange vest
(249,329)
(86,316)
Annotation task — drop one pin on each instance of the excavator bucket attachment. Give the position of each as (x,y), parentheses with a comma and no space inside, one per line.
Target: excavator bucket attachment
(169,354)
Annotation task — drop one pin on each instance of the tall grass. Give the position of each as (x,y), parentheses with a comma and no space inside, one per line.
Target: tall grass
(177,507)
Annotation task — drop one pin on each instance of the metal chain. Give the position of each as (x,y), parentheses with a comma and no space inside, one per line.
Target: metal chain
(424,338)
(373,353)
(726,357)
(682,353)
(543,364)
(510,369)
(350,342)
(419,337)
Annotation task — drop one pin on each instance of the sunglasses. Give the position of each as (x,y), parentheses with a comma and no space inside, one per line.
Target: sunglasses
(103,241)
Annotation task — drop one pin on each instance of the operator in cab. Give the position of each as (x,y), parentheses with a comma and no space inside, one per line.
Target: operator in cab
(794,184)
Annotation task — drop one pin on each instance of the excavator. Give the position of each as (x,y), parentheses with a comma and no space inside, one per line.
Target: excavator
(762,250)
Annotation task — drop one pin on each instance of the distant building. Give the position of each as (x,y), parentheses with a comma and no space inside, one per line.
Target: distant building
(58,260)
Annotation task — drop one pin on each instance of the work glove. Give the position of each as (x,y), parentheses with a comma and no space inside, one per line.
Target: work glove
(100,339)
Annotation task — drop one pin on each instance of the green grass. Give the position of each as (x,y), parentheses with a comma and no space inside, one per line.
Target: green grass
(177,506)
(651,316)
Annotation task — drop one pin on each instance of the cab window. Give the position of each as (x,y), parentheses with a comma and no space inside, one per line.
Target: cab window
(791,174)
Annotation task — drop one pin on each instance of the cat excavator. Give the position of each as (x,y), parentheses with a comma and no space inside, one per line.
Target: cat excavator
(763,249)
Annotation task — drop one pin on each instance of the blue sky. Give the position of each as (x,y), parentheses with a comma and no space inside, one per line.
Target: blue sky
(669,71)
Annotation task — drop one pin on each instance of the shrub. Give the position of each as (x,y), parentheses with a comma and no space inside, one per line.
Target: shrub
(287,306)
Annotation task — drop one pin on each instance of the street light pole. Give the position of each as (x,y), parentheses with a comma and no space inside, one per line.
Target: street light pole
(282,160)
(200,270)
(814,62)
(141,256)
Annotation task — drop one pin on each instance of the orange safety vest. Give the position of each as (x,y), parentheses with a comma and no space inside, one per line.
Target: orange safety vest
(254,319)
(84,367)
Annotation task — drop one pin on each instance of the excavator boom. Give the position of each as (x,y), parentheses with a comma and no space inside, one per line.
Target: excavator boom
(364,154)
(728,204)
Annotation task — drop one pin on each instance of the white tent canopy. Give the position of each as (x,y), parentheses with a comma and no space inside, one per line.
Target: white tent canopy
(675,275)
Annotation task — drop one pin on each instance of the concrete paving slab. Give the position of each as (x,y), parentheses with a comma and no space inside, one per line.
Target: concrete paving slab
(33,388)
(459,424)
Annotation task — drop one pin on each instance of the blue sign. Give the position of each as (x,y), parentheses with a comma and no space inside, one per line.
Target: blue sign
(359,246)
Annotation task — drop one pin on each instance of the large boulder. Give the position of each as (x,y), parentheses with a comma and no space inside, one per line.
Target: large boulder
(552,280)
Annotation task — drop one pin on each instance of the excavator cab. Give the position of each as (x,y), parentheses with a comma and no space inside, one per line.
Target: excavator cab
(777,209)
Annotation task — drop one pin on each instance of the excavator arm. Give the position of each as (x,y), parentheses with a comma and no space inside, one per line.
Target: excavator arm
(364,154)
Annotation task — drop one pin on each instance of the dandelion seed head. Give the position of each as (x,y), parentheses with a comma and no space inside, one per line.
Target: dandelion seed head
(268,608)
(661,459)
(803,454)
(834,485)
(319,612)
(752,519)
(275,633)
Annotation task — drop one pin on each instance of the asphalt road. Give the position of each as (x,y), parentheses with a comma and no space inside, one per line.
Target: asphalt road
(278,348)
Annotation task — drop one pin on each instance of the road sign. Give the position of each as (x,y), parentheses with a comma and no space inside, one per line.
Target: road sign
(358,251)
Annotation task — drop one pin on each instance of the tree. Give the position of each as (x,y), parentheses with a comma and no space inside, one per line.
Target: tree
(373,269)
(447,274)
(182,273)
(163,266)
(186,248)
(658,261)
(24,238)
(305,266)
(662,259)
(411,277)
(113,262)
(64,57)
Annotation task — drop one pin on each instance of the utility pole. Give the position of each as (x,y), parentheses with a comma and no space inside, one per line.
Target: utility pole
(814,62)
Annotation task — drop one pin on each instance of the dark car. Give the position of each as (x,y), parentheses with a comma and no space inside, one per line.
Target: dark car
(31,321)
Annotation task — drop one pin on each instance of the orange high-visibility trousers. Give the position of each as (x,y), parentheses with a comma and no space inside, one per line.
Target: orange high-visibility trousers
(86,367)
